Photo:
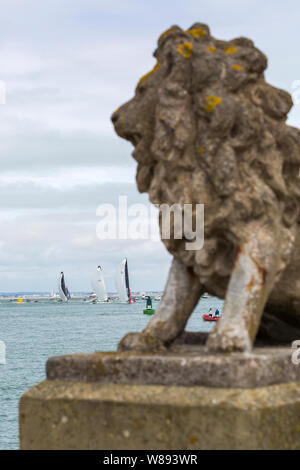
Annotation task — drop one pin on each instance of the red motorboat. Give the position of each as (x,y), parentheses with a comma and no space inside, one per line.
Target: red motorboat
(208,318)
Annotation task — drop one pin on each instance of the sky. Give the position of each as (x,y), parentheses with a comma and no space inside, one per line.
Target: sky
(67,65)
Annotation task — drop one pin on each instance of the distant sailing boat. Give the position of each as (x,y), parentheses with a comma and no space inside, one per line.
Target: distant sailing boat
(62,288)
(52,295)
(98,285)
(122,282)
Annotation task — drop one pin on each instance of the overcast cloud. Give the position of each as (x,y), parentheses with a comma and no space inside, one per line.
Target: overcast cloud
(68,64)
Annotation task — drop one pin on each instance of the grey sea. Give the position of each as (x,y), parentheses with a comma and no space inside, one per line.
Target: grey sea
(33,332)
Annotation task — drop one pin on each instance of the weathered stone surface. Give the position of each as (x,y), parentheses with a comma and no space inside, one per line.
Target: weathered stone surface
(207,128)
(181,365)
(66,415)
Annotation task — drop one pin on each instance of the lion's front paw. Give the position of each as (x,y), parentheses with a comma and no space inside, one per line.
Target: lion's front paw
(229,341)
(140,342)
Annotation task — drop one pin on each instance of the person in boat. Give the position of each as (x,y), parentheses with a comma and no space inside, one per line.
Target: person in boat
(149,303)
(210,313)
(217,313)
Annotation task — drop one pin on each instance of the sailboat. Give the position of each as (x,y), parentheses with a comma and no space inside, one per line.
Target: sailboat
(122,282)
(62,288)
(52,296)
(98,285)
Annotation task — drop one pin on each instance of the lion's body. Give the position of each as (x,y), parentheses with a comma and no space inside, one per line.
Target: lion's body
(208,129)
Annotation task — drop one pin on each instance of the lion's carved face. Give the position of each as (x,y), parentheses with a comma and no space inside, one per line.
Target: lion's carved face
(207,128)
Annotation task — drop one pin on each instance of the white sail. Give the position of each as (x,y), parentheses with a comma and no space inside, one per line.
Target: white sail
(98,285)
(62,289)
(120,280)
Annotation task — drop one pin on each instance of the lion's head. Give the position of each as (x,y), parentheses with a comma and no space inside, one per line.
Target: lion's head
(207,128)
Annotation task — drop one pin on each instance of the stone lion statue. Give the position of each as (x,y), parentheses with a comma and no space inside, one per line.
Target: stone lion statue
(207,128)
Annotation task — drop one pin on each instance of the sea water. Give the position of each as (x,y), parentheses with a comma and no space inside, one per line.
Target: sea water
(33,332)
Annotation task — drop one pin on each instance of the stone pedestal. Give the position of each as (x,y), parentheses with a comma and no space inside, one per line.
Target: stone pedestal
(182,399)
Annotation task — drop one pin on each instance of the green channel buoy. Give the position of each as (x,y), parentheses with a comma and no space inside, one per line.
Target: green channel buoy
(149,310)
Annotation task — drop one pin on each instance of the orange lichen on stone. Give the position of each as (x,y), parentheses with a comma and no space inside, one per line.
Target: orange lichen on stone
(196,33)
(230,50)
(156,67)
(212,102)
(201,149)
(211,48)
(193,439)
(185,49)
(237,67)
